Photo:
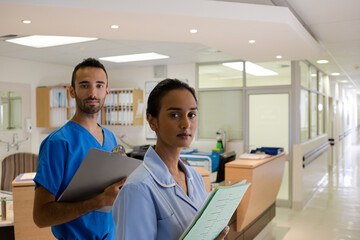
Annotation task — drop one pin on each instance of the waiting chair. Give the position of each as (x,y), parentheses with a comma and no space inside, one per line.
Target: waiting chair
(15,164)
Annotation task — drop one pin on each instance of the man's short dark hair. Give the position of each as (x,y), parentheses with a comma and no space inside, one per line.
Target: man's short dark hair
(89,62)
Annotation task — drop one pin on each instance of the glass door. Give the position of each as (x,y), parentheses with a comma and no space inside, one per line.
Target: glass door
(268,126)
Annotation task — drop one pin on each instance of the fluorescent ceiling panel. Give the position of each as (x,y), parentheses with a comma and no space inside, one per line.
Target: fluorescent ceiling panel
(134,57)
(251,68)
(38,41)
(322,61)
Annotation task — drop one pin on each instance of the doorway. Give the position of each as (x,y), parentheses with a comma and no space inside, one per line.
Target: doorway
(268,125)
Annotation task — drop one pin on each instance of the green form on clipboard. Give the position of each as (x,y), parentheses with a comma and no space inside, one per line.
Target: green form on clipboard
(216,213)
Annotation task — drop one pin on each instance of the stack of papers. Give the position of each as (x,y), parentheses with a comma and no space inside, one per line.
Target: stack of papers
(28,176)
(253,156)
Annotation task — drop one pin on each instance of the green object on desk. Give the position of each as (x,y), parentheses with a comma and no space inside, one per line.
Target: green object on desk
(216,213)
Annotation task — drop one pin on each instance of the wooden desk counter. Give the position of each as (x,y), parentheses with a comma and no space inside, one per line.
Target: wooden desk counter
(205,174)
(24,226)
(265,176)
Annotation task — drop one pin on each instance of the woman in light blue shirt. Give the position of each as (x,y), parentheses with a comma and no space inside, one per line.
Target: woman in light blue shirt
(162,196)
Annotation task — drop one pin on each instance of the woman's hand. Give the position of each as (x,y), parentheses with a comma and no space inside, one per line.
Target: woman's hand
(223,234)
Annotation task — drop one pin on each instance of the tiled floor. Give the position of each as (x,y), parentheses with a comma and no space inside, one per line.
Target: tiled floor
(334,210)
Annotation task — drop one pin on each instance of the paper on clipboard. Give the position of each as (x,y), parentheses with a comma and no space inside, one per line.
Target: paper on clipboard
(216,213)
(97,171)
(28,176)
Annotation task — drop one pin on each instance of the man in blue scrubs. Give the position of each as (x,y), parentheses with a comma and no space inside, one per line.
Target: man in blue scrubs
(61,154)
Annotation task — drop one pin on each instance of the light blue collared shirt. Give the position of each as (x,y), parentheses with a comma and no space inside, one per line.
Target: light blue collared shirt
(152,206)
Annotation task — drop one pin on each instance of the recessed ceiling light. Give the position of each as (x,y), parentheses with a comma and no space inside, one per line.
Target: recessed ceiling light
(313,75)
(251,41)
(26,21)
(279,57)
(343,81)
(38,41)
(323,61)
(335,74)
(193,30)
(114,26)
(320,107)
(134,57)
(251,68)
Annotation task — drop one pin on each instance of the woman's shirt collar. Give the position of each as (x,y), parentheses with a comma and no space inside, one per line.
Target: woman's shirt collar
(159,171)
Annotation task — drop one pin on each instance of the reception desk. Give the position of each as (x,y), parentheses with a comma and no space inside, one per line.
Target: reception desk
(257,208)
(205,174)
(23,200)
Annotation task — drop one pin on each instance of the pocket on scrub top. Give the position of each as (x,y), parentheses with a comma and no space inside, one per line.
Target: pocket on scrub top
(168,228)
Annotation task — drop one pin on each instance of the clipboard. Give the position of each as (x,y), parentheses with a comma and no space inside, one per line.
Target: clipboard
(98,170)
(215,213)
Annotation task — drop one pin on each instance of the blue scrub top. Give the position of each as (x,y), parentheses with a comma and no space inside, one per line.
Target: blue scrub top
(152,206)
(60,155)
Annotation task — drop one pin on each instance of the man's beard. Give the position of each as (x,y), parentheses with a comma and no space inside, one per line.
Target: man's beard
(88,109)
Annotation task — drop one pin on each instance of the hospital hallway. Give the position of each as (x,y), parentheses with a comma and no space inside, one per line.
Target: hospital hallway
(334,210)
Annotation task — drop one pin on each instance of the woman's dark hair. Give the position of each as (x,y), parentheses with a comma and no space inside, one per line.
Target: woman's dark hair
(89,62)
(160,90)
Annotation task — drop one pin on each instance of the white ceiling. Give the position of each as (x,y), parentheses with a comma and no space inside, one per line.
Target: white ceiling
(327,29)
(336,26)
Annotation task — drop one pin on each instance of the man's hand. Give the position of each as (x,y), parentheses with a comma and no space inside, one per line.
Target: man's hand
(48,212)
(111,192)
(223,233)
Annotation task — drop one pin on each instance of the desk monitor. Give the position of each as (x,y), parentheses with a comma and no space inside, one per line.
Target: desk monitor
(224,158)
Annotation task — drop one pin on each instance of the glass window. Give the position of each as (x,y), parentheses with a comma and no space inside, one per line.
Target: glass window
(221,110)
(314,115)
(304,115)
(268,73)
(313,78)
(10,110)
(304,74)
(220,76)
(321,114)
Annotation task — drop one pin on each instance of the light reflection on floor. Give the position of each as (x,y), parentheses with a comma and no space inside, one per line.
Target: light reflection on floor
(334,210)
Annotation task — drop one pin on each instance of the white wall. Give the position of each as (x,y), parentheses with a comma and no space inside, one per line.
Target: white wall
(7,136)
(305,181)
(136,78)
(358,110)
(24,76)
(35,74)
